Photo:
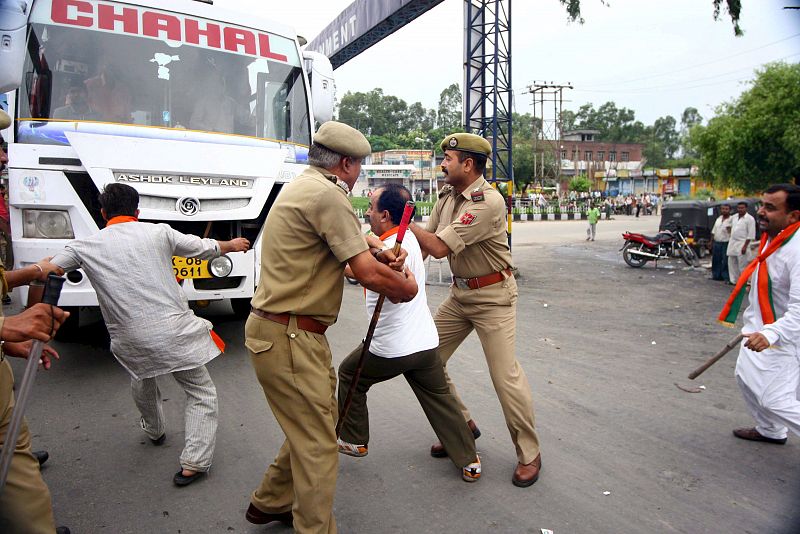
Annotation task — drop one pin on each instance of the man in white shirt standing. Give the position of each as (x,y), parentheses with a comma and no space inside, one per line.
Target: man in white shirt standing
(768,367)
(743,232)
(405,342)
(720,235)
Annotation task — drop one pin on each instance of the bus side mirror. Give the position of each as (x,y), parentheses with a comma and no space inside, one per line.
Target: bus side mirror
(13,26)
(323,88)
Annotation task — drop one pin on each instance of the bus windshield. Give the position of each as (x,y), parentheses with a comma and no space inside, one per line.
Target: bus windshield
(113,75)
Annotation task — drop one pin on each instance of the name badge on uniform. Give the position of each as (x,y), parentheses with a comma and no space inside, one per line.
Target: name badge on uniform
(477,195)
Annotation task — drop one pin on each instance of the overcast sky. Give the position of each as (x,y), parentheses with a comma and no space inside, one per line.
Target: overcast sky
(654,56)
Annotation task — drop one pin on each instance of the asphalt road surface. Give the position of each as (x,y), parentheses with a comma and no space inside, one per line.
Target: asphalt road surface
(624,450)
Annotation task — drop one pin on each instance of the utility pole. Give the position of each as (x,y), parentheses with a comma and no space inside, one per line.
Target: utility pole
(547,140)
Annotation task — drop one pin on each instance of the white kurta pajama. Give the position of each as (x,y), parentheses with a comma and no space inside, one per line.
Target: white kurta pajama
(770,380)
(153,331)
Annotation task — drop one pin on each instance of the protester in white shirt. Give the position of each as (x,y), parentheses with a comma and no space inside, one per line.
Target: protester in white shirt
(405,342)
(720,235)
(768,367)
(743,232)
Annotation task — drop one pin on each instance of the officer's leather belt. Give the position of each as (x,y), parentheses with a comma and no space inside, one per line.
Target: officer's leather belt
(481,281)
(304,322)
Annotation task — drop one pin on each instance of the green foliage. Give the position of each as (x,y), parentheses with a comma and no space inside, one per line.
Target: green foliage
(754,141)
(579,184)
(448,116)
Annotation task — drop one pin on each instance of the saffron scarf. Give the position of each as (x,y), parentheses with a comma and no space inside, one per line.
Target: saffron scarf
(120,219)
(127,218)
(764,285)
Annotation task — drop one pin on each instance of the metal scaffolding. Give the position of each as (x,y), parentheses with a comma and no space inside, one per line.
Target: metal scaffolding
(547,137)
(487,80)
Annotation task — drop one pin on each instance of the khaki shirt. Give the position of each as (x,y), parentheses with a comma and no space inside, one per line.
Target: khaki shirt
(310,233)
(473,229)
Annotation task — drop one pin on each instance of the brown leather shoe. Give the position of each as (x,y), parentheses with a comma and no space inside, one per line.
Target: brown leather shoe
(256,516)
(753,435)
(437,449)
(526,474)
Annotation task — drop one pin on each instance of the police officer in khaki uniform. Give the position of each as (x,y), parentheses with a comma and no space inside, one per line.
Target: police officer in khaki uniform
(468,226)
(25,506)
(311,232)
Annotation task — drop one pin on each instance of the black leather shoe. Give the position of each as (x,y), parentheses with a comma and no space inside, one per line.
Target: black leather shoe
(159,440)
(62,530)
(180,480)
(751,434)
(437,449)
(257,517)
(41,456)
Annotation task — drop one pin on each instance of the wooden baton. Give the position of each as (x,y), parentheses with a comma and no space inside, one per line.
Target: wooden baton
(711,361)
(401,232)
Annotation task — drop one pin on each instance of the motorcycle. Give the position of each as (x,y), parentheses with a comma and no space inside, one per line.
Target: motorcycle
(668,243)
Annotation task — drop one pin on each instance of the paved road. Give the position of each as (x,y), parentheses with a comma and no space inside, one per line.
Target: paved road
(602,358)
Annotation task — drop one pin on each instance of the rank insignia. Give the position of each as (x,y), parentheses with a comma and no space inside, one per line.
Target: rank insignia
(467,218)
(477,195)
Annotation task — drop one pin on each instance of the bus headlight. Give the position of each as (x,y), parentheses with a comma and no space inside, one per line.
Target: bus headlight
(220,267)
(48,224)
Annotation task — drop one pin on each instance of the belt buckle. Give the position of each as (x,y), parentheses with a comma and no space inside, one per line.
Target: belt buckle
(461,283)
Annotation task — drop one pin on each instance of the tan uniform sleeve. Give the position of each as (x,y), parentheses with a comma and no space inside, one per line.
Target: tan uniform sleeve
(433,220)
(332,217)
(475,222)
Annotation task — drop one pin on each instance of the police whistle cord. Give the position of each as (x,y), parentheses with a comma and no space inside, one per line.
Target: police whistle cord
(52,291)
(348,400)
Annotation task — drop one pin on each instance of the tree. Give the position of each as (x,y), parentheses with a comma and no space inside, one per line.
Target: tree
(753,141)
(580,184)
(689,119)
(664,132)
(734,8)
(448,116)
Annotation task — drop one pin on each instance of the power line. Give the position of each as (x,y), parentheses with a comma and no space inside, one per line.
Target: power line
(681,83)
(651,76)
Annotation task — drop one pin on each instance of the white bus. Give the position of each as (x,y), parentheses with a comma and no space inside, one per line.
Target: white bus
(206,112)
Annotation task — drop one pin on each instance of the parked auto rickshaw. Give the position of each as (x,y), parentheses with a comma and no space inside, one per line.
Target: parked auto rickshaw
(695,216)
(698,217)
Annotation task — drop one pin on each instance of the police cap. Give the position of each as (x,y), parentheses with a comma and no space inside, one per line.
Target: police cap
(5,120)
(342,139)
(467,142)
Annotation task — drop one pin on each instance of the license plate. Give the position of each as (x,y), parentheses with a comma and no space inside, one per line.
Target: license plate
(190,267)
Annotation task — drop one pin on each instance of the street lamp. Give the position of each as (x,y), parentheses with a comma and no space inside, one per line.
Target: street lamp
(433,159)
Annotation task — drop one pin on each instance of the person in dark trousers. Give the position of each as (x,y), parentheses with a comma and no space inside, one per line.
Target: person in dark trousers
(720,235)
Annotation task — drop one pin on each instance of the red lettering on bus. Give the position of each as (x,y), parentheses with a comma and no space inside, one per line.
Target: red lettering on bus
(263,44)
(235,37)
(60,12)
(193,33)
(107,16)
(155,23)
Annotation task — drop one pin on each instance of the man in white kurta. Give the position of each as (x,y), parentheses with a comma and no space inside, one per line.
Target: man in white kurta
(768,368)
(743,232)
(153,331)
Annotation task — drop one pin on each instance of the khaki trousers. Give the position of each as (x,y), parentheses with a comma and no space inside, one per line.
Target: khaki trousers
(25,502)
(491,311)
(294,369)
(425,374)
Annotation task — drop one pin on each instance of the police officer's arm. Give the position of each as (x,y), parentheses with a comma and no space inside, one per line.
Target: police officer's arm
(476,222)
(26,275)
(40,321)
(375,276)
(430,243)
